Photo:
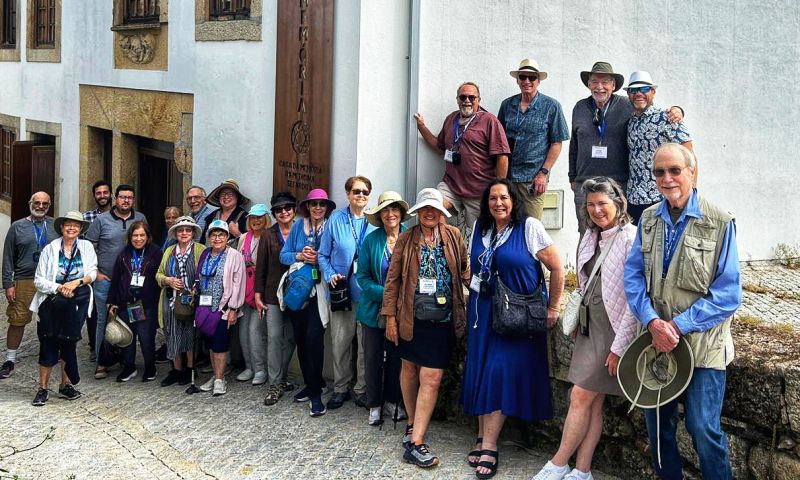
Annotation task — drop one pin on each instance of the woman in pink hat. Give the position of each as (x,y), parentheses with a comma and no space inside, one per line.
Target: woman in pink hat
(310,321)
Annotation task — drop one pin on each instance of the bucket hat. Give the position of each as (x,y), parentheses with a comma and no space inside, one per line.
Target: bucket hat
(258,210)
(316,194)
(218,225)
(282,199)
(528,65)
(604,68)
(118,333)
(384,200)
(430,197)
(649,379)
(73,215)
(213,197)
(184,221)
(640,79)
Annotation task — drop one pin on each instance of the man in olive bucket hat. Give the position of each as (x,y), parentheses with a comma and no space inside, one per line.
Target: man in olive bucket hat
(683,282)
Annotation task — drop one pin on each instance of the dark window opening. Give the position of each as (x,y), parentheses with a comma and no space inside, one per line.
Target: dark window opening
(7,138)
(8,18)
(44,23)
(140,11)
(229,9)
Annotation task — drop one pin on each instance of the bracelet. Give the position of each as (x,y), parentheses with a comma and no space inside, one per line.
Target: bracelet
(553,309)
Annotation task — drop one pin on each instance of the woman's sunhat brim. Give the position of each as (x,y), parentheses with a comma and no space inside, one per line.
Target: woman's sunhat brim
(430,203)
(184,221)
(374,215)
(302,207)
(213,197)
(74,216)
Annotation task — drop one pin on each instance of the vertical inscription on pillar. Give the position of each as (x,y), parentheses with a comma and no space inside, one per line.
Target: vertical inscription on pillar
(303,95)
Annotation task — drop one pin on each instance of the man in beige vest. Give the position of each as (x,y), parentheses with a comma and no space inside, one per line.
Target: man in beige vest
(682,279)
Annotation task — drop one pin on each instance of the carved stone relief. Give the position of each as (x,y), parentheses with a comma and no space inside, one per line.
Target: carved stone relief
(139,48)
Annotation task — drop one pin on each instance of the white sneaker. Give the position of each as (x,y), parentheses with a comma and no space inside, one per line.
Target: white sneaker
(551,472)
(389,408)
(576,474)
(260,378)
(220,387)
(375,416)
(206,387)
(246,375)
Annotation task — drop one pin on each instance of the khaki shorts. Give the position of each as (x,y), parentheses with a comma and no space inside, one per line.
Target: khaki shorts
(17,311)
(470,206)
(534,204)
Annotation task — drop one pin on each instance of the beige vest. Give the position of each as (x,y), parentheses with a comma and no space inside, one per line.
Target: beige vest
(692,269)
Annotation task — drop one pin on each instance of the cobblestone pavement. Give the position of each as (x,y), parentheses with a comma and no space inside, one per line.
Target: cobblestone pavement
(771,293)
(139,430)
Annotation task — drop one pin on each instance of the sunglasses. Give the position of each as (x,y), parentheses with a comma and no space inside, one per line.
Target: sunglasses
(673,171)
(358,191)
(317,203)
(465,97)
(530,78)
(642,90)
(281,209)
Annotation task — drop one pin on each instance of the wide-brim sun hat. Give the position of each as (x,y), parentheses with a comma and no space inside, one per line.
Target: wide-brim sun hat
(73,215)
(649,379)
(603,68)
(316,194)
(213,197)
(258,210)
(219,225)
(430,197)
(530,66)
(640,79)
(385,199)
(118,333)
(184,221)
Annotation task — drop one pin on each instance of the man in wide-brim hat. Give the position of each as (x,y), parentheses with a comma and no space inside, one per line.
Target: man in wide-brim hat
(683,282)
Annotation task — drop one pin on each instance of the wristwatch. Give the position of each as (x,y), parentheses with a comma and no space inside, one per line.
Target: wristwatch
(80,282)
(544,170)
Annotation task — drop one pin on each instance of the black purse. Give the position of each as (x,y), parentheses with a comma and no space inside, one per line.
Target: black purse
(428,309)
(340,294)
(518,315)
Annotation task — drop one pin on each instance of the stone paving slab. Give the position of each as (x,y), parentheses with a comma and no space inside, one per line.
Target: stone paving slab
(138,430)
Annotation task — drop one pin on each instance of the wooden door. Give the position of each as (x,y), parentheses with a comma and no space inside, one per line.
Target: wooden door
(33,169)
(160,186)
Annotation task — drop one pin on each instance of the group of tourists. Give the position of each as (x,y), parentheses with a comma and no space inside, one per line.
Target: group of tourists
(246,284)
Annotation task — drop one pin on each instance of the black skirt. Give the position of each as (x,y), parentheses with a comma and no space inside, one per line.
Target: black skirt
(430,346)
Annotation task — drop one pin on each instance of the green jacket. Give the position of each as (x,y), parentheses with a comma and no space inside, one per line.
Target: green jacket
(161,274)
(369,278)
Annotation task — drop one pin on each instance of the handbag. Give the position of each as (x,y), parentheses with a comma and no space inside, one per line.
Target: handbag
(184,305)
(297,287)
(516,314)
(206,320)
(250,272)
(575,311)
(428,309)
(340,294)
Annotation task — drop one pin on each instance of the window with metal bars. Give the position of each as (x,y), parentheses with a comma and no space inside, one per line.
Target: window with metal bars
(44,23)
(140,11)
(228,9)
(8,17)
(7,138)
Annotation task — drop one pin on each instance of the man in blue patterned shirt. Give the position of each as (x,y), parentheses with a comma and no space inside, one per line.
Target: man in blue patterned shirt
(648,129)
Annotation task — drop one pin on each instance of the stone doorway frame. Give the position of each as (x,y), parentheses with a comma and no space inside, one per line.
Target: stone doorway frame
(128,113)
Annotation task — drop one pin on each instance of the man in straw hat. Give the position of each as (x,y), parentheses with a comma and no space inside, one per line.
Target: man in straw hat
(535,127)
(682,281)
(23,246)
(474,147)
(598,145)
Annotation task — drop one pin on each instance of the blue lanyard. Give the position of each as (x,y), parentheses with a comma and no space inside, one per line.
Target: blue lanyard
(388,256)
(487,256)
(136,261)
(357,238)
(73,250)
(314,235)
(517,121)
(456,137)
(601,129)
(671,236)
(41,233)
(210,271)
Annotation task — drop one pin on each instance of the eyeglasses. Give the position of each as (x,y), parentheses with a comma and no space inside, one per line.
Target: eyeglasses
(597,119)
(218,234)
(227,193)
(673,171)
(125,198)
(281,209)
(471,98)
(358,191)
(40,204)
(605,82)
(194,198)
(642,90)
(184,230)
(317,203)
(530,78)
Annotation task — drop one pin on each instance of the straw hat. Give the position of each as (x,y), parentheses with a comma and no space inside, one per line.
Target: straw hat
(528,66)
(184,221)
(603,68)
(384,200)
(73,215)
(430,197)
(118,333)
(213,197)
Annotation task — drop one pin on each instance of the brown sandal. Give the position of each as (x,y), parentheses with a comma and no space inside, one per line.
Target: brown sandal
(100,373)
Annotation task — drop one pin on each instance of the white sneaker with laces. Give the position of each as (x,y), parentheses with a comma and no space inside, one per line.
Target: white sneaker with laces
(246,375)
(576,474)
(220,387)
(551,471)
(375,415)
(208,386)
(260,378)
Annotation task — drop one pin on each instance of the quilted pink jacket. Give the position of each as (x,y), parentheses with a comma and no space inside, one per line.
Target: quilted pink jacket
(622,320)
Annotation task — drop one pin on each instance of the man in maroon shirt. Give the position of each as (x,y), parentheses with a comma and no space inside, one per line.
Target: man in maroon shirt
(475,151)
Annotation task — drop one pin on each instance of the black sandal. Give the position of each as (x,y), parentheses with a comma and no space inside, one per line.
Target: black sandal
(475,453)
(492,466)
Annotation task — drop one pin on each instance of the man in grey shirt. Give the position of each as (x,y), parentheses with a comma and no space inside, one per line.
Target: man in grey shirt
(109,234)
(24,242)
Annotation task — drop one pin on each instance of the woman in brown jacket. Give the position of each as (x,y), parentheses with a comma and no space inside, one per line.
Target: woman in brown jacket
(425,310)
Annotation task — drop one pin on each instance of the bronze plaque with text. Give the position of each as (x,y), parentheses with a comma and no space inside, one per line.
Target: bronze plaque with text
(303,102)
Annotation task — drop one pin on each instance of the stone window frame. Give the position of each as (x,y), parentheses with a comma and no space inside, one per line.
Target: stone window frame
(12,124)
(10,52)
(48,52)
(207,29)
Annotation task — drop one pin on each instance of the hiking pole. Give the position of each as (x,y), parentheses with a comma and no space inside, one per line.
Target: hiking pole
(192,388)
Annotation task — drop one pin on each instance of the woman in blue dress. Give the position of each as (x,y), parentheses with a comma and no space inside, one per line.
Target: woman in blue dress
(504,375)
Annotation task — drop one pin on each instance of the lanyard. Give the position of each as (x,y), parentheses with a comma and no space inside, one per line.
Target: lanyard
(210,271)
(601,129)
(136,261)
(313,236)
(357,238)
(518,122)
(456,137)
(487,256)
(72,253)
(671,236)
(432,256)
(41,233)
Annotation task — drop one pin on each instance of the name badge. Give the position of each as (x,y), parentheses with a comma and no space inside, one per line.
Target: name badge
(205,300)
(427,286)
(599,151)
(475,284)
(137,280)
(448,156)
(355,267)
(136,312)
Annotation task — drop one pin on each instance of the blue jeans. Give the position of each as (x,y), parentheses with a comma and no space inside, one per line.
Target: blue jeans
(702,401)
(101,305)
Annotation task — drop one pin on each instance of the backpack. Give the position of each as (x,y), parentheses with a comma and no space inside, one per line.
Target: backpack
(297,288)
